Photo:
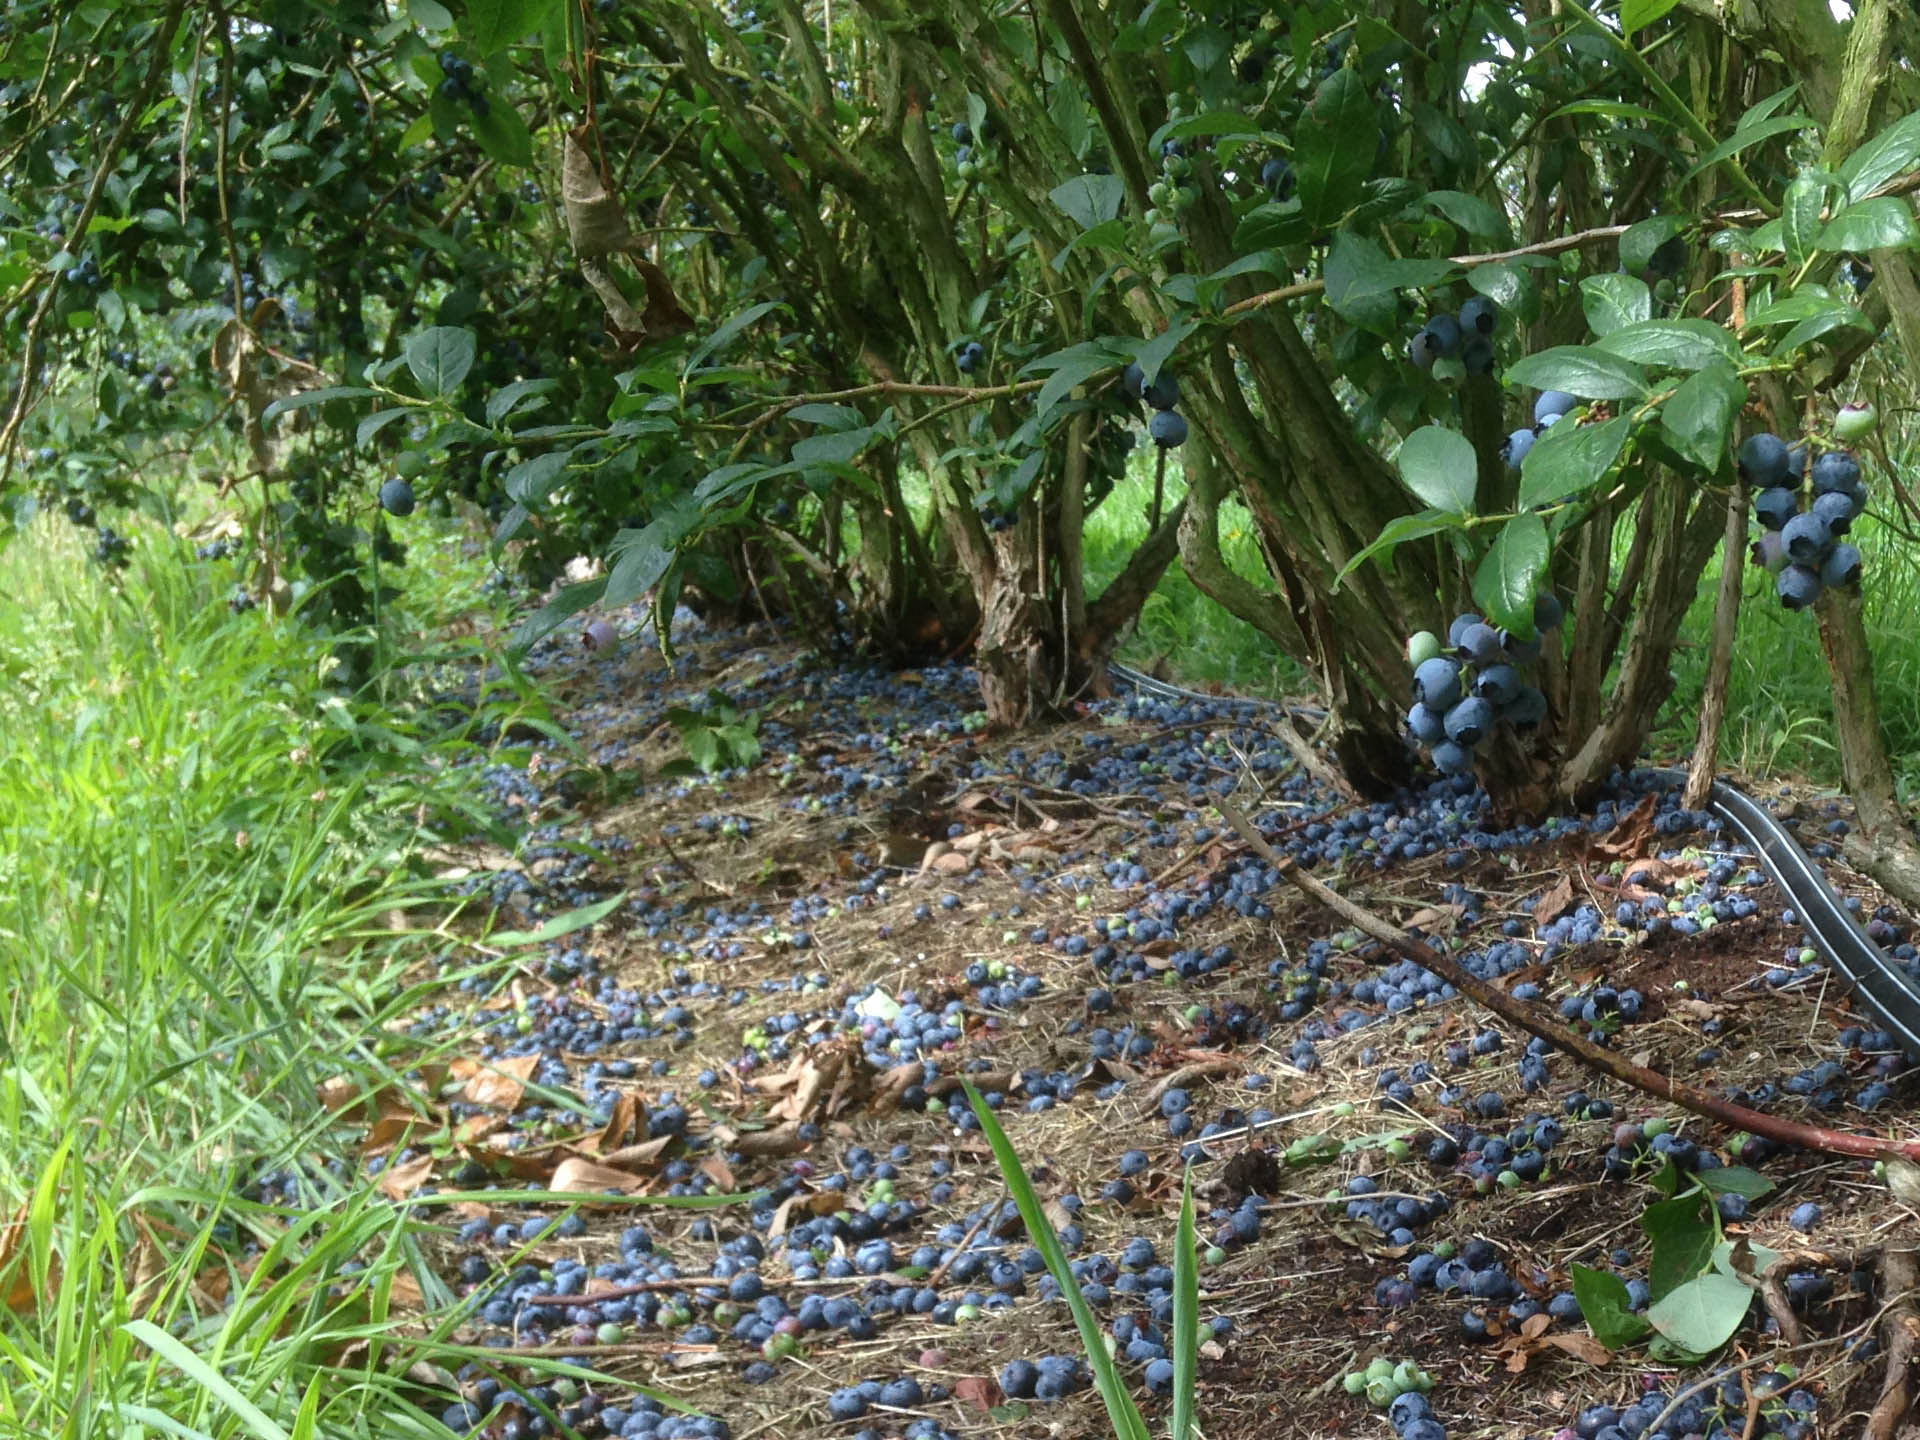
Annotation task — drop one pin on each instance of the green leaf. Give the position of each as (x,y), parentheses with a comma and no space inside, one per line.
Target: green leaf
(835,447)
(1571,459)
(732,327)
(1509,577)
(1882,224)
(531,481)
(504,135)
(492,25)
(1814,326)
(203,1375)
(1685,344)
(1737,1180)
(1508,286)
(1614,110)
(440,358)
(430,15)
(1272,226)
(507,398)
(1398,531)
(1638,14)
(1470,213)
(1334,148)
(516,520)
(1579,370)
(1698,417)
(1806,303)
(1615,300)
(564,606)
(563,924)
(1607,1307)
(1894,151)
(1122,1413)
(1157,351)
(1186,1315)
(1072,366)
(834,417)
(1357,269)
(1439,466)
(1641,240)
(1090,199)
(1745,136)
(307,399)
(644,556)
(1702,1314)
(1800,218)
(378,421)
(1683,1237)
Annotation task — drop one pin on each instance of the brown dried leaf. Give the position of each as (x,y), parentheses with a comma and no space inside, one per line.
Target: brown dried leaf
(1631,835)
(397,1182)
(337,1092)
(980,1391)
(595,222)
(1555,903)
(626,1114)
(496,1084)
(17,1290)
(578,1176)
(644,1156)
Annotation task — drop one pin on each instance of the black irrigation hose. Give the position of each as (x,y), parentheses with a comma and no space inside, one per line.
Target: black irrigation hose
(1881,985)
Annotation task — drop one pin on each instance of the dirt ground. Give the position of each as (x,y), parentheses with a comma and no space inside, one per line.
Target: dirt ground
(957,813)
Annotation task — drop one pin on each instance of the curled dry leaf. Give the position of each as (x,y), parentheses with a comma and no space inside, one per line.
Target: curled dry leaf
(397,1182)
(598,228)
(580,1176)
(496,1084)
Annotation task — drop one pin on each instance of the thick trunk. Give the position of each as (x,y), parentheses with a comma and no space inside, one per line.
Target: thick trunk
(1677,551)
(1208,568)
(1885,847)
(1726,616)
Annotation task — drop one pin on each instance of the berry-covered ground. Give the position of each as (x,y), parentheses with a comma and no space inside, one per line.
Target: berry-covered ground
(813,951)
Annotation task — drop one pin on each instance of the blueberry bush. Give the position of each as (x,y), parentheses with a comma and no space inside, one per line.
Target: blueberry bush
(1483,315)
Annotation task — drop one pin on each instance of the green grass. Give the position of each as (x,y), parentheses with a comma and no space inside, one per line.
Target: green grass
(201,854)
(1780,696)
(1199,641)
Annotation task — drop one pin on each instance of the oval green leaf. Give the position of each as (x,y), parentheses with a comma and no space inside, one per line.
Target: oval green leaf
(1580,370)
(1571,459)
(1439,466)
(1509,576)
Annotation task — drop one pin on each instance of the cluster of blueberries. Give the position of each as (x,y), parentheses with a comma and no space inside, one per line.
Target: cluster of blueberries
(1549,408)
(969,163)
(1467,337)
(459,83)
(1167,427)
(1475,681)
(1802,548)
(1173,193)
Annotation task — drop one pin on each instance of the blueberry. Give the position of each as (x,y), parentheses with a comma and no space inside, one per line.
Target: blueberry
(1806,538)
(1798,587)
(1841,568)
(1763,460)
(396,497)
(1774,507)
(1167,429)
(1554,403)
(1805,1216)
